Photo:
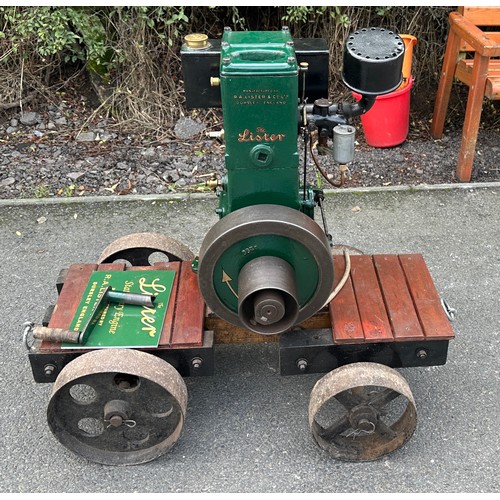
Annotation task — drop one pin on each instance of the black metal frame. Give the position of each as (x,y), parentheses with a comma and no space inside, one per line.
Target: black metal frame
(188,361)
(313,351)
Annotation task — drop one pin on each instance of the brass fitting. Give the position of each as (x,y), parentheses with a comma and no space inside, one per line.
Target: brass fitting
(196,41)
(212,184)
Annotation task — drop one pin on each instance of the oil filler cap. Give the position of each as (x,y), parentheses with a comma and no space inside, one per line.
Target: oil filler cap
(373,61)
(197,41)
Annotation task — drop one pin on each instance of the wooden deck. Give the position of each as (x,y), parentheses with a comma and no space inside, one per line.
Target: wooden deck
(387,298)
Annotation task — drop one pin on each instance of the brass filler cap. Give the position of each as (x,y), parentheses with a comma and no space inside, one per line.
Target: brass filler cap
(196,41)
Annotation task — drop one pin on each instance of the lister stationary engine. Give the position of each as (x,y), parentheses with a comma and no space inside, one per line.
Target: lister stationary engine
(126,330)
(267,265)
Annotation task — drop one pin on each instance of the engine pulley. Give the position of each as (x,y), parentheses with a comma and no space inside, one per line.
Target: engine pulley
(266,268)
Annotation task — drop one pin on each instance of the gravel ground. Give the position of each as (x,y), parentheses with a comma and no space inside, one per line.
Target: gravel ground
(44,154)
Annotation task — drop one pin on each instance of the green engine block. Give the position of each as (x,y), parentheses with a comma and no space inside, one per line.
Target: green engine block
(259,87)
(266,264)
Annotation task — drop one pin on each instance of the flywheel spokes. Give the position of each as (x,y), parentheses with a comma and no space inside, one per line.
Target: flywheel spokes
(118,406)
(143,249)
(361,412)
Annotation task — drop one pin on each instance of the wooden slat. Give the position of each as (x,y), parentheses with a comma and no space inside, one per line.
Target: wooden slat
(432,317)
(494,36)
(189,311)
(374,320)
(466,65)
(397,298)
(346,324)
(112,266)
(473,35)
(75,283)
(482,16)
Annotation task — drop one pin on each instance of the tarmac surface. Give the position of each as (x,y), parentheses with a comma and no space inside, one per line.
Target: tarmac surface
(246,427)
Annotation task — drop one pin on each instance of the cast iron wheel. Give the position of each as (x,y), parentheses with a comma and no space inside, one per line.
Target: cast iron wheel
(118,406)
(361,412)
(140,249)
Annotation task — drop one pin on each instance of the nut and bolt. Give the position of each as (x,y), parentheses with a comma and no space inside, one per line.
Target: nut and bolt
(302,364)
(49,370)
(196,363)
(421,353)
(291,60)
(226,60)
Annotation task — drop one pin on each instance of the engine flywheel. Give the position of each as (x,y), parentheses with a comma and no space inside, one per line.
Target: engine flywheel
(266,268)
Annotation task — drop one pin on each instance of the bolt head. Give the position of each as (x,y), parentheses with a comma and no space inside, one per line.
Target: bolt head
(421,354)
(302,364)
(48,370)
(196,363)
(116,420)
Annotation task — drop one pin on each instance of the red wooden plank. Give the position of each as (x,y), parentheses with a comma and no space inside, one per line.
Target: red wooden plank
(166,332)
(374,320)
(112,266)
(397,298)
(189,311)
(346,324)
(75,282)
(433,319)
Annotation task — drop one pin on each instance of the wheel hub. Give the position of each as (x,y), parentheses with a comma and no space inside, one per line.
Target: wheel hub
(363,418)
(116,412)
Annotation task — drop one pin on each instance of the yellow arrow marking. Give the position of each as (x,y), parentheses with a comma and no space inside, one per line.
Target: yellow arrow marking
(227,279)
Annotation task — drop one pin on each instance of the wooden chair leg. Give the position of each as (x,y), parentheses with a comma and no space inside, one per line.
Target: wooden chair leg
(472,118)
(445,82)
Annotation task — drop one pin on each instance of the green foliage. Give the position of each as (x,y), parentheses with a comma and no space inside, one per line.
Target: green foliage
(303,15)
(134,50)
(84,34)
(42,191)
(382,11)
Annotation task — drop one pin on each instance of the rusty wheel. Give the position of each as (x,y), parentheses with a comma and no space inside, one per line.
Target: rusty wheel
(143,249)
(118,406)
(361,412)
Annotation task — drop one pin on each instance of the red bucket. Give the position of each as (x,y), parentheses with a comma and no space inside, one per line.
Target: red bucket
(386,123)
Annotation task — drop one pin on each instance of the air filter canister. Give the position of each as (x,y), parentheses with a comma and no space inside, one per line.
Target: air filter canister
(373,61)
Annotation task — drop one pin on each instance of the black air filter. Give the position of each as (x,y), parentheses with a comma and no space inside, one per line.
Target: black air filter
(373,61)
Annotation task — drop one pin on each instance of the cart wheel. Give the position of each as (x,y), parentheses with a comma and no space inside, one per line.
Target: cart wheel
(118,406)
(142,249)
(361,412)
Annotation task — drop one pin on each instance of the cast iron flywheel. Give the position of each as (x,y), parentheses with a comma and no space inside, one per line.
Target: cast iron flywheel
(140,249)
(266,268)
